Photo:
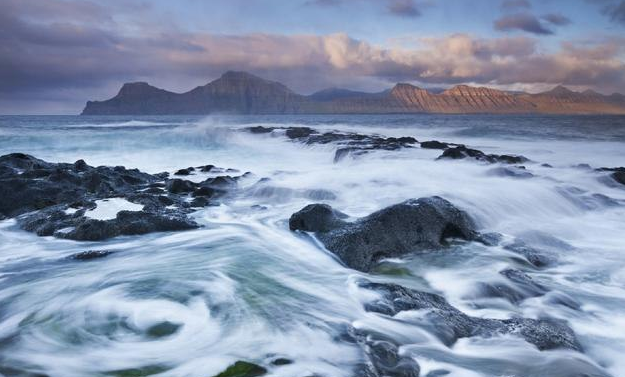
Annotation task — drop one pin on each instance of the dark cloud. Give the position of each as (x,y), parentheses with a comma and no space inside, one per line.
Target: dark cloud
(401,8)
(522,21)
(405,8)
(556,19)
(616,12)
(515,4)
(51,61)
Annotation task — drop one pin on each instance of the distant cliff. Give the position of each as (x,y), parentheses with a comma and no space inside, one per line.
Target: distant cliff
(244,93)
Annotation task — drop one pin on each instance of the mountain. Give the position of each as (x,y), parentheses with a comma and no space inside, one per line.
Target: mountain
(244,93)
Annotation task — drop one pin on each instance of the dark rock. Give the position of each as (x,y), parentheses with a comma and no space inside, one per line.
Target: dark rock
(512,172)
(538,258)
(204,191)
(461,152)
(489,239)
(260,129)
(519,288)
(619,176)
(281,361)
(91,254)
(177,186)
(412,226)
(449,323)
(163,329)
(433,144)
(186,171)
(384,356)
(299,132)
(222,181)
(206,168)
(243,369)
(91,230)
(316,218)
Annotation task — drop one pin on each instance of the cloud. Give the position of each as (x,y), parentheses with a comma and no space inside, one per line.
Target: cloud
(515,4)
(522,21)
(616,12)
(405,8)
(53,60)
(401,8)
(556,19)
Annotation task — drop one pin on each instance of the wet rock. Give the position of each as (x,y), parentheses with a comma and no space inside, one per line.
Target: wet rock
(260,129)
(462,152)
(519,287)
(163,329)
(186,171)
(204,191)
(30,184)
(178,186)
(434,144)
(511,172)
(490,239)
(386,361)
(536,257)
(617,174)
(281,361)
(449,323)
(90,255)
(243,369)
(415,225)
(317,218)
(299,132)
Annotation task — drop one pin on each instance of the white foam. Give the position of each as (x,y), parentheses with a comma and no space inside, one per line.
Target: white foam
(107,209)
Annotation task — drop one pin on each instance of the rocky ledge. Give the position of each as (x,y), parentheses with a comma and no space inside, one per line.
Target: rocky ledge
(355,144)
(60,199)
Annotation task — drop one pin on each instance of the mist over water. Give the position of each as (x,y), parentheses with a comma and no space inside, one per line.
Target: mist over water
(243,287)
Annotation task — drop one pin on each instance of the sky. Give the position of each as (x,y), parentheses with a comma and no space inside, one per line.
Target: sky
(57,54)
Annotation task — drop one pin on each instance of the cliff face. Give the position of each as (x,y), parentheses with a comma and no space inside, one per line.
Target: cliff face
(244,93)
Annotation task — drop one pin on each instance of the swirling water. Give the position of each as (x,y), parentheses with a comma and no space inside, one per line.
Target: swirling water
(243,287)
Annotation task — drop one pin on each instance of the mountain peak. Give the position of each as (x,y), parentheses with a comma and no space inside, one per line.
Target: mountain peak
(560,90)
(138,89)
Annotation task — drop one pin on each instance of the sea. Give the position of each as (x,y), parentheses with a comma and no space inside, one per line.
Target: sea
(244,287)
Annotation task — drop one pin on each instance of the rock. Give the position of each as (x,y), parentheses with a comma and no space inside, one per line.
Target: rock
(178,186)
(619,176)
(461,152)
(384,356)
(415,225)
(316,218)
(536,257)
(519,287)
(281,361)
(163,329)
(186,171)
(299,132)
(511,172)
(433,144)
(29,184)
(260,129)
(449,323)
(243,369)
(90,255)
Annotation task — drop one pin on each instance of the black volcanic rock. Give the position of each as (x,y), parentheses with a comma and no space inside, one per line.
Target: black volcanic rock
(450,324)
(415,225)
(52,199)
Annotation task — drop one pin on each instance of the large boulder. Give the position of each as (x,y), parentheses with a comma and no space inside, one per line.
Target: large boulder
(415,225)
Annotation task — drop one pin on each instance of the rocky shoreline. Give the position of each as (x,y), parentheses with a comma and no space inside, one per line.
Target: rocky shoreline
(59,200)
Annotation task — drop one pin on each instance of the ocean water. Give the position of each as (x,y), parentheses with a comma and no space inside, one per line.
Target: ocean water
(243,287)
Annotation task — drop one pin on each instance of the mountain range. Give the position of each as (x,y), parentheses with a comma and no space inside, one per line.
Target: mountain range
(245,93)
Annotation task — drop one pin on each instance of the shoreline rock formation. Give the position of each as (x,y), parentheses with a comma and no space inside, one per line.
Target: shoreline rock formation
(244,93)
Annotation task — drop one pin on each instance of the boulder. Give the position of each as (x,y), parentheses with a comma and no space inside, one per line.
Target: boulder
(416,225)
(449,323)
(461,152)
(434,144)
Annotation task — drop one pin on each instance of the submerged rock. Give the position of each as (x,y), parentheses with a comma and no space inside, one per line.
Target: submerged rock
(243,369)
(412,226)
(90,255)
(449,323)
